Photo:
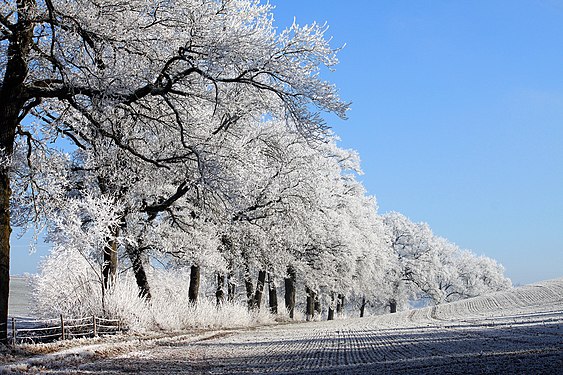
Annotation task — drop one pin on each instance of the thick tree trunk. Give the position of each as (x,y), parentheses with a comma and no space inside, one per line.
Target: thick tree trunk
(317,305)
(310,303)
(12,101)
(231,288)
(272,295)
(393,306)
(331,307)
(193,290)
(109,265)
(219,293)
(136,258)
(5,230)
(340,305)
(289,283)
(259,289)
(363,307)
(249,289)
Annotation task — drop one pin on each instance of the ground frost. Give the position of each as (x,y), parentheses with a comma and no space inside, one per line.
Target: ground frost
(518,331)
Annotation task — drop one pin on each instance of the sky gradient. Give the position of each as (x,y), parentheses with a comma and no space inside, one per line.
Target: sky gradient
(457,113)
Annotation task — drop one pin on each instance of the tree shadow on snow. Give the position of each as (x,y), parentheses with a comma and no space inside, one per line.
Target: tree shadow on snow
(483,350)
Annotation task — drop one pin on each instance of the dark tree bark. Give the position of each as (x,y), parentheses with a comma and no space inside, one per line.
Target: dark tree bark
(317,304)
(259,289)
(227,247)
(289,283)
(310,304)
(272,295)
(136,258)
(363,307)
(249,289)
(5,230)
(340,304)
(109,265)
(231,288)
(219,293)
(393,306)
(12,102)
(193,290)
(331,307)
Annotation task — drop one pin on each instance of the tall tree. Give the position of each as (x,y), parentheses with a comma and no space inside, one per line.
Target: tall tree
(130,72)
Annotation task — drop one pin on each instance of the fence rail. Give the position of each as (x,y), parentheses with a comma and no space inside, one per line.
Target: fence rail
(28,330)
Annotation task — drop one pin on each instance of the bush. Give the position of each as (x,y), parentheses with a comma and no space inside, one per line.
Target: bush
(77,292)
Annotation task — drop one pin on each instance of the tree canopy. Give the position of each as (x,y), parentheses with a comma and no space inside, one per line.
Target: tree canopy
(189,133)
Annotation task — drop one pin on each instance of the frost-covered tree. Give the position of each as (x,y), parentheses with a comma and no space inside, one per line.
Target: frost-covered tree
(283,201)
(430,267)
(477,275)
(134,71)
(411,245)
(272,195)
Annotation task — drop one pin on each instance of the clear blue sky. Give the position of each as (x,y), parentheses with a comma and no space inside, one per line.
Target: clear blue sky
(458,116)
(457,112)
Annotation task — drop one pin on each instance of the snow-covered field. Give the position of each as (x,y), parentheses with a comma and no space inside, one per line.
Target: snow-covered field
(20,296)
(518,331)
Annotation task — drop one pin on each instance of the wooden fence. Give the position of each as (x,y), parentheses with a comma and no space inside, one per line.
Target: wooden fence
(28,330)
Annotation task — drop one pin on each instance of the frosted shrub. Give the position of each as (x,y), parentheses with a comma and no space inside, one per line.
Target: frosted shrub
(67,285)
(171,309)
(78,292)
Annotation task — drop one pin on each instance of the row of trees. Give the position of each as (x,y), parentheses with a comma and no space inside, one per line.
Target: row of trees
(431,268)
(278,213)
(188,132)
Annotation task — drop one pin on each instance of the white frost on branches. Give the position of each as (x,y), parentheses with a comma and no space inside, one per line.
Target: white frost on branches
(193,138)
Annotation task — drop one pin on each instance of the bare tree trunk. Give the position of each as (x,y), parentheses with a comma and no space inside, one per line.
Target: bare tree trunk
(289,283)
(231,288)
(317,304)
(259,289)
(363,307)
(219,293)
(12,102)
(136,258)
(193,290)
(393,306)
(310,304)
(249,288)
(340,305)
(109,265)
(272,294)
(5,230)
(331,307)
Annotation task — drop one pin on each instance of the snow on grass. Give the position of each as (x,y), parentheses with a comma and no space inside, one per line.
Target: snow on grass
(517,331)
(169,309)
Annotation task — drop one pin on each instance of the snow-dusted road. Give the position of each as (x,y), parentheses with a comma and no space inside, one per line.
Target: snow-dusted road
(520,331)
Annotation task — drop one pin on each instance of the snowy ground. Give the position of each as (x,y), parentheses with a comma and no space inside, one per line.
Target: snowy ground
(19,302)
(520,331)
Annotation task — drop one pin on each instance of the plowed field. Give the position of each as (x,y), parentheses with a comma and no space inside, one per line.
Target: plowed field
(517,331)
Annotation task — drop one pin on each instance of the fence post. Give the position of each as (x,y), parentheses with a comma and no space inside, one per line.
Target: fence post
(94,325)
(13,331)
(62,327)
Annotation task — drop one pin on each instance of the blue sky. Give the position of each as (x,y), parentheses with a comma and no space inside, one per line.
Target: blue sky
(457,112)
